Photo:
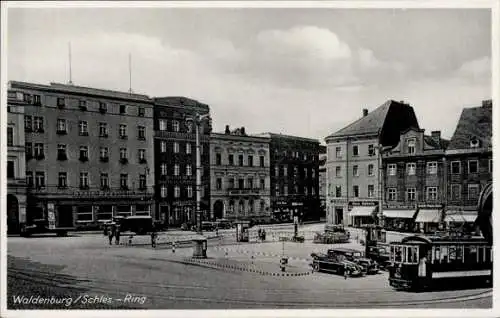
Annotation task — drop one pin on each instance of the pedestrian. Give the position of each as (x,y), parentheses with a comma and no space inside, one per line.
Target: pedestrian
(345,271)
(111,234)
(153,239)
(117,235)
(173,247)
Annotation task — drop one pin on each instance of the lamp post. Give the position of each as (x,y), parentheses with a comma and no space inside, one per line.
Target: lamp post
(197,119)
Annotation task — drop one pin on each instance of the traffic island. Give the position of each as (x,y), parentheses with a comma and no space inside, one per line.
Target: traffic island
(261,268)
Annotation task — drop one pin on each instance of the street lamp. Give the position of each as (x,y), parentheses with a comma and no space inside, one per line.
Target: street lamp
(197,119)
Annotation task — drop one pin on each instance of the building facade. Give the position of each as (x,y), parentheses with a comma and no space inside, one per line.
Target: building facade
(294,168)
(414,182)
(16,163)
(469,164)
(354,185)
(322,181)
(89,152)
(239,173)
(175,159)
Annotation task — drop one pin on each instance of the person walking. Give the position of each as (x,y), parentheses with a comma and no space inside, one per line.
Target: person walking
(117,235)
(153,239)
(111,233)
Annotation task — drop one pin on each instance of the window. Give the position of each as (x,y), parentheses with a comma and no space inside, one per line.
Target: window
(411,168)
(10,136)
(175,125)
(61,102)
(371,150)
(84,153)
(250,183)
(103,107)
(411,194)
(241,183)
(262,184)
(142,181)
(188,148)
(141,132)
(123,131)
(39,153)
(62,180)
(123,109)
(84,180)
(262,206)
(188,170)
(355,171)
(27,123)
(190,191)
(371,190)
(231,183)
(240,160)
(163,146)
(474,142)
(124,181)
(455,167)
(177,191)
(163,169)
(218,159)
(163,125)
(141,153)
(176,147)
(355,150)
(276,170)
(337,171)
(103,130)
(29,150)
(456,192)
(104,181)
(176,169)
(61,152)
(285,170)
(38,124)
(473,191)
(431,193)
(141,111)
(261,161)
(251,206)
(37,100)
(338,152)
(490,165)
(411,145)
(82,104)
(10,170)
(218,184)
(103,153)
(250,161)
(83,128)
(189,127)
(370,170)
(432,167)
(29,178)
(277,190)
(473,166)
(231,159)
(392,194)
(163,191)
(123,153)
(355,190)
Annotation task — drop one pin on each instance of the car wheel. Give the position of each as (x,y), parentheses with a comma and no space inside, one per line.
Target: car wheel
(315,267)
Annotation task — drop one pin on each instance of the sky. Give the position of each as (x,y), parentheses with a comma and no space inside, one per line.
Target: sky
(304,72)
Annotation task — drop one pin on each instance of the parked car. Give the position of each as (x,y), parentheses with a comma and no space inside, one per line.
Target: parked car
(139,224)
(187,226)
(369,266)
(223,224)
(381,255)
(335,263)
(208,226)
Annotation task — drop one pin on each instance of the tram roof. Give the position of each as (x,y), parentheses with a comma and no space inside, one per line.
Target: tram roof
(438,239)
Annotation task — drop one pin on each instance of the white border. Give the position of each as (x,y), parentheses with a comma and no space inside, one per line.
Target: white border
(423,4)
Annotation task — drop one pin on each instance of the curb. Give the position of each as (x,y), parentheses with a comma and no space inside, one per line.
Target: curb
(225,249)
(244,268)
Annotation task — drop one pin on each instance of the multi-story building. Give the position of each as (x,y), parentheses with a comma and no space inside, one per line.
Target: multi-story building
(175,159)
(469,164)
(413,178)
(239,170)
(294,163)
(353,161)
(322,180)
(89,152)
(16,163)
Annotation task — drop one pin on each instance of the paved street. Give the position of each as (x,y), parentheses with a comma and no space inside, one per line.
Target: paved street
(86,265)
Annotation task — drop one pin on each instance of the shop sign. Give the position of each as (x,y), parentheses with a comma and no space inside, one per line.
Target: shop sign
(297,204)
(400,206)
(363,203)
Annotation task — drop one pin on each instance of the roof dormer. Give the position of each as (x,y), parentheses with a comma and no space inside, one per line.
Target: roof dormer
(475,142)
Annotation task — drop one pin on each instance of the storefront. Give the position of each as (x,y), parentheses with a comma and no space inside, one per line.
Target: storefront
(284,210)
(399,220)
(429,219)
(463,221)
(362,212)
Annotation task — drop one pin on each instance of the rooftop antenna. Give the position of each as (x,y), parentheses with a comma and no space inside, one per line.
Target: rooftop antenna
(130,73)
(69,55)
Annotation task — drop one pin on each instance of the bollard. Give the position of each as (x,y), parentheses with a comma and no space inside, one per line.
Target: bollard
(173,247)
(252,259)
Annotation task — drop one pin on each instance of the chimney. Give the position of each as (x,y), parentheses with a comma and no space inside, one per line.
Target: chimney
(243,131)
(436,136)
(365,112)
(488,103)
(227,132)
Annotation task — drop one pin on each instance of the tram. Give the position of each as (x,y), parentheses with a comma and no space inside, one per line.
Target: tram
(423,262)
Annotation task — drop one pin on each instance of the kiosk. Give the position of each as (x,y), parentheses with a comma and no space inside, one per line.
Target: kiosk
(200,247)
(242,231)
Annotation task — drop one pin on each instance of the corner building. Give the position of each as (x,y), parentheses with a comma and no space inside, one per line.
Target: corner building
(240,184)
(89,152)
(175,160)
(354,188)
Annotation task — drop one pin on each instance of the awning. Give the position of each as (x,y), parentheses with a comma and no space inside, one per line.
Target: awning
(428,216)
(460,218)
(362,211)
(399,214)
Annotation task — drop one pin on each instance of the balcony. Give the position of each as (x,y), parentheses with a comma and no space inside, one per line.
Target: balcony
(61,132)
(244,191)
(104,159)
(123,161)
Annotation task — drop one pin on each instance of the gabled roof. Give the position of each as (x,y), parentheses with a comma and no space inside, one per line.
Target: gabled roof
(475,122)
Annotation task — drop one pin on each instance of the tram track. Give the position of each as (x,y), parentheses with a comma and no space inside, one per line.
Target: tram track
(49,278)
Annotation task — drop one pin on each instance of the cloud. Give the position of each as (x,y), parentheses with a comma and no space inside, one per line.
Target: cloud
(478,69)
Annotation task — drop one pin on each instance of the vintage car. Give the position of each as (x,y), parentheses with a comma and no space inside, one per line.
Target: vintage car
(138,224)
(380,254)
(223,224)
(335,263)
(369,266)
(333,234)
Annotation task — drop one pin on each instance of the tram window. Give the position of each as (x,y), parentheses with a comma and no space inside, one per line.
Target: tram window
(444,254)
(412,254)
(452,253)
(437,254)
(398,257)
(480,253)
(470,254)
